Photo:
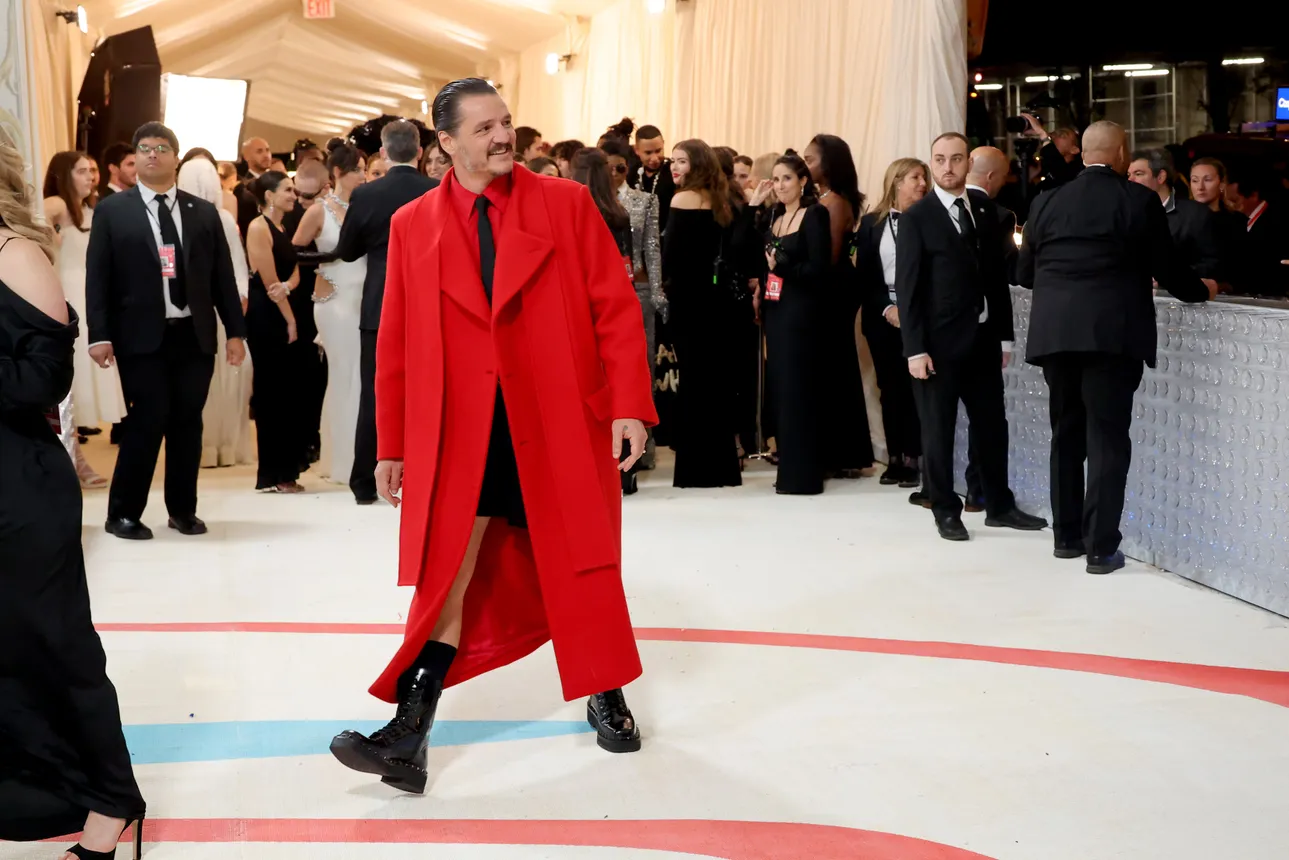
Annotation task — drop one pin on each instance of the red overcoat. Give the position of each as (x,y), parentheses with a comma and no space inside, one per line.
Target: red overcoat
(565,337)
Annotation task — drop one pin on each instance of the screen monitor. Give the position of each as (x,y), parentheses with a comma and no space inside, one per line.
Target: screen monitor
(1282,103)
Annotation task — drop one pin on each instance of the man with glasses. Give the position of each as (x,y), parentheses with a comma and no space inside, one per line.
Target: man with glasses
(158,272)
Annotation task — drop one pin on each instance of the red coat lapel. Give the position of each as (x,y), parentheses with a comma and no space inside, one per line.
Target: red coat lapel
(457,276)
(525,240)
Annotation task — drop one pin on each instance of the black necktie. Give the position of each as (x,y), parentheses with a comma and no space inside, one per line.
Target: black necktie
(170,236)
(487,250)
(966,226)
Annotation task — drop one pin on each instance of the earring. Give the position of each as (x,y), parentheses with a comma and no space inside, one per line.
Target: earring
(270,210)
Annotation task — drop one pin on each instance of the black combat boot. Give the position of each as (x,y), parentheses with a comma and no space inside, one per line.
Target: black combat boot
(396,753)
(614,726)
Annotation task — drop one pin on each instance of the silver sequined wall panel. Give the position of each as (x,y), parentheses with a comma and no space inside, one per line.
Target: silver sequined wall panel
(1208,494)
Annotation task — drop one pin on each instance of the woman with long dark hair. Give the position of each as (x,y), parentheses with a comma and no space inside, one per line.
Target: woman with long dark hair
(794,304)
(96,391)
(906,183)
(848,444)
(590,167)
(696,252)
(64,765)
(277,401)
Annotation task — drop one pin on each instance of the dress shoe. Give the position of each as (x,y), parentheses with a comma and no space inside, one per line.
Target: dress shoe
(128,529)
(921,499)
(89,431)
(951,528)
(615,728)
(188,525)
(893,475)
(396,753)
(629,484)
(1068,549)
(912,478)
(1016,519)
(1102,564)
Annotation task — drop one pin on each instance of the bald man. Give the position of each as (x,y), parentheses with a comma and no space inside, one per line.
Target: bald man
(1092,329)
(258,155)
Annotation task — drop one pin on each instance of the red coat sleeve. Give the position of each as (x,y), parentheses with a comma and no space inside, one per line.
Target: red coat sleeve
(618,320)
(391,352)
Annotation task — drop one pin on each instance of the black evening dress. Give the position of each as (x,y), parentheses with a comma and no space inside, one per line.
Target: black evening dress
(279,398)
(62,751)
(847,440)
(703,329)
(795,351)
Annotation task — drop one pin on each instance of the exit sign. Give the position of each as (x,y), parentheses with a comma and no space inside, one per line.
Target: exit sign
(319,8)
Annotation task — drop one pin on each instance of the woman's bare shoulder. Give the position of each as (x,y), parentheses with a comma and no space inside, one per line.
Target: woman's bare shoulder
(686,199)
(27,271)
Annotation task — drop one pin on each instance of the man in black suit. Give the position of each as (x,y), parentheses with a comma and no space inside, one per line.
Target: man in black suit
(158,271)
(366,231)
(1266,244)
(1192,225)
(956,322)
(1090,252)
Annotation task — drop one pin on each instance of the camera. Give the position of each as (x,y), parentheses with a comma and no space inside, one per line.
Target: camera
(1020,125)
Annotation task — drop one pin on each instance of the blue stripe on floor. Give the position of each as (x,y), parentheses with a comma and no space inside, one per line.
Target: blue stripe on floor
(169,743)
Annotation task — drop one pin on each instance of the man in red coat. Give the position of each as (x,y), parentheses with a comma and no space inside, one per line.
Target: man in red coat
(510,372)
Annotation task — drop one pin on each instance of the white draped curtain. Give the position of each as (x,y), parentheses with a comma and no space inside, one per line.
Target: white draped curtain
(760,75)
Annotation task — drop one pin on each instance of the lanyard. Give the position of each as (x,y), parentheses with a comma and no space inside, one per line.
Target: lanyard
(783,232)
(154,216)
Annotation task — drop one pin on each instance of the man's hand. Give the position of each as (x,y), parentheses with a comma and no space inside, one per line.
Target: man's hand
(632,430)
(389,481)
(103,354)
(236,351)
(921,367)
(892,315)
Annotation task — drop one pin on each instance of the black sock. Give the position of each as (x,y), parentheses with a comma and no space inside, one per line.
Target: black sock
(435,657)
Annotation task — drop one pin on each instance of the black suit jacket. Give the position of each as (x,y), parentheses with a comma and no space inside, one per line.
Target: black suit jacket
(366,230)
(1266,244)
(942,285)
(1091,248)
(123,287)
(874,296)
(1194,230)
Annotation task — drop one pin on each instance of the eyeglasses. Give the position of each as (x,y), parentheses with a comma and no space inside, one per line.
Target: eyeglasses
(619,168)
(159,149)
(304,195)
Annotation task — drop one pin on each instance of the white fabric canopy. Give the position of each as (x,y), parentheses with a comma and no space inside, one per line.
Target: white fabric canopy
(761,75)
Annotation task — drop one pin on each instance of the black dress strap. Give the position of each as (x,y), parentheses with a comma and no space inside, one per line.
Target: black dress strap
(7,240)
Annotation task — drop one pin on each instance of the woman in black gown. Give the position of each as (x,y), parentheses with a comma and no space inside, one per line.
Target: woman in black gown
(277,399)
(847,441)
(697,248)
(794,306)
(64,766)
(590,167)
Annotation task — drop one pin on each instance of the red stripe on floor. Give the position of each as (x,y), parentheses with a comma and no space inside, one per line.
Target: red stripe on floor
(1263,684)
(732,840)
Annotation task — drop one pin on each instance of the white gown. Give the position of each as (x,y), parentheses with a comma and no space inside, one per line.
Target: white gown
(96,391)
(337,320)
(226,438)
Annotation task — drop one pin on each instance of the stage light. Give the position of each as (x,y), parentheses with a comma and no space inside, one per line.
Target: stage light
(1243,61)
(79,17)
(988,87)
(205,112)
(552,64)
(979,77)
(1126,67)
(656,7)
(1041,79)
(1146,73)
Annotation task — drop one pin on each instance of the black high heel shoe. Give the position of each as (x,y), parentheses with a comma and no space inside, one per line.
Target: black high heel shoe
(85,854)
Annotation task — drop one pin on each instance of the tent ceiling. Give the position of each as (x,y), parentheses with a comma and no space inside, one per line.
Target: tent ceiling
(324,76)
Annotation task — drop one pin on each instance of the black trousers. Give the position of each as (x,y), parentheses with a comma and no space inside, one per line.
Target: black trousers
(976,380)
(165,392)
(899,412)
(362,480)
(1091,411)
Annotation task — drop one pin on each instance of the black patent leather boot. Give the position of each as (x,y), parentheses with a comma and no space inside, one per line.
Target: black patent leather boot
(396,753)
(615,727)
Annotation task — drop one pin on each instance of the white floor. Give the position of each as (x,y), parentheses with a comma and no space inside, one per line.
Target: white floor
(1012,762)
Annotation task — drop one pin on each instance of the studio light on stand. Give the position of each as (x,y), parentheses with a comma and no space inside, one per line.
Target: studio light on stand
(205,112)
(77,17)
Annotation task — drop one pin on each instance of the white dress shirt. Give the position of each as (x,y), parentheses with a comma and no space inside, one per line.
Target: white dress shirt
(886,250)
(153,200)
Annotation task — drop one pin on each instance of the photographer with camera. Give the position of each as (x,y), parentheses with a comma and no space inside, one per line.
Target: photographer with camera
(1061,159)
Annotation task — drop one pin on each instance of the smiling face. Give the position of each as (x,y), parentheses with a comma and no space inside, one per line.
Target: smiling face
(282,198)
(911,189)
(787,184)
(679,166)
(650,153)
(950,164)
(484,142)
